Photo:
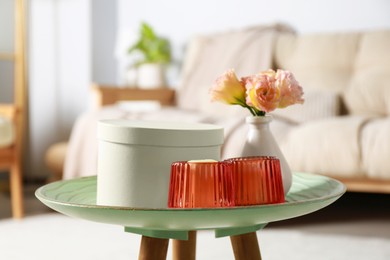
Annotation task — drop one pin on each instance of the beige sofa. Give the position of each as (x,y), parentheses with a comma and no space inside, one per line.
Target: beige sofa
(342,130)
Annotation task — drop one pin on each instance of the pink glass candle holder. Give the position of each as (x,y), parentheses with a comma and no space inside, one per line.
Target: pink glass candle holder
(256,180)
(200,184)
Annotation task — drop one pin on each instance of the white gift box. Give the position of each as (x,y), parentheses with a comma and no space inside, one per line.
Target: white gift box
(135,157)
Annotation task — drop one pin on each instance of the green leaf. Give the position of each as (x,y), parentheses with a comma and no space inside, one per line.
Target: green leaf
(155,49)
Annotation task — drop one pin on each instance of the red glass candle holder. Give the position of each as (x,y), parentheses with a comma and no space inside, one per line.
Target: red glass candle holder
(200,184)
(256,180)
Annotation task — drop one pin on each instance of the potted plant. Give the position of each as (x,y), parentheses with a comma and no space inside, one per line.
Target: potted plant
(155,53)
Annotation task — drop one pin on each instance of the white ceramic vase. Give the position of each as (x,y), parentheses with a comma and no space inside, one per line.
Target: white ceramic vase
(261,142)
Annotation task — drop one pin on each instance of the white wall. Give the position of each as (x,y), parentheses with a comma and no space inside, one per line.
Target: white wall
(180,20)
(43,90)
(7,26)
(59,70)
(7,29)
(104,26)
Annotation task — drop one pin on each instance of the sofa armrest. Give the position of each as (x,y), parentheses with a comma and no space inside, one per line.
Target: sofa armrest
(108,95)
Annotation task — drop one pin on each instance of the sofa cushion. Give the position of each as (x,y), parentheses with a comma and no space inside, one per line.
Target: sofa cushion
(330,146)
(369,89)
(319,61)
(7,134)
(375,142)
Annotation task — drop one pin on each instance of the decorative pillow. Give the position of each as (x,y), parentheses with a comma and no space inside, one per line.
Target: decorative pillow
(318,104)
(7,134)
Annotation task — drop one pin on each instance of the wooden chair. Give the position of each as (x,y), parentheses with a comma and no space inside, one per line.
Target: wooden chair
(15,113)
(10,159)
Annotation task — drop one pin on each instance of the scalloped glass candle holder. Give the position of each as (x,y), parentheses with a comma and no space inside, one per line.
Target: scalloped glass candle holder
(200,185)
(256,180)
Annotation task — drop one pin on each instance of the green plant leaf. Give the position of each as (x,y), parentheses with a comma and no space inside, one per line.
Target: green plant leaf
(155,49)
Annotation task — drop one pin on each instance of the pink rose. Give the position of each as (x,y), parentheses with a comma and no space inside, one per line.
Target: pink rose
(290,91)
(262,91)
(228,89)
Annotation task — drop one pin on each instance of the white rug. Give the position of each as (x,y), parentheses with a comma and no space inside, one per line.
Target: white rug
(56,237)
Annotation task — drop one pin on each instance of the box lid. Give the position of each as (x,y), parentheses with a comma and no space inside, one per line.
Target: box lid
(157,133)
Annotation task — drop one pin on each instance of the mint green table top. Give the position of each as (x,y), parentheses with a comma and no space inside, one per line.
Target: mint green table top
(77,198)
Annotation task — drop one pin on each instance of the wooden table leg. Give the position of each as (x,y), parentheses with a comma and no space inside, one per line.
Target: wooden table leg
(153,248)
(246,246)
(185,249)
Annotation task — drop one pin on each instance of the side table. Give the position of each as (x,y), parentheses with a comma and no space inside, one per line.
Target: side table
(77,198)
(108,95)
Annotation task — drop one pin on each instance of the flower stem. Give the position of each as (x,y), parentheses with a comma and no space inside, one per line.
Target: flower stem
(251,110)
(258,112)
(254,111)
